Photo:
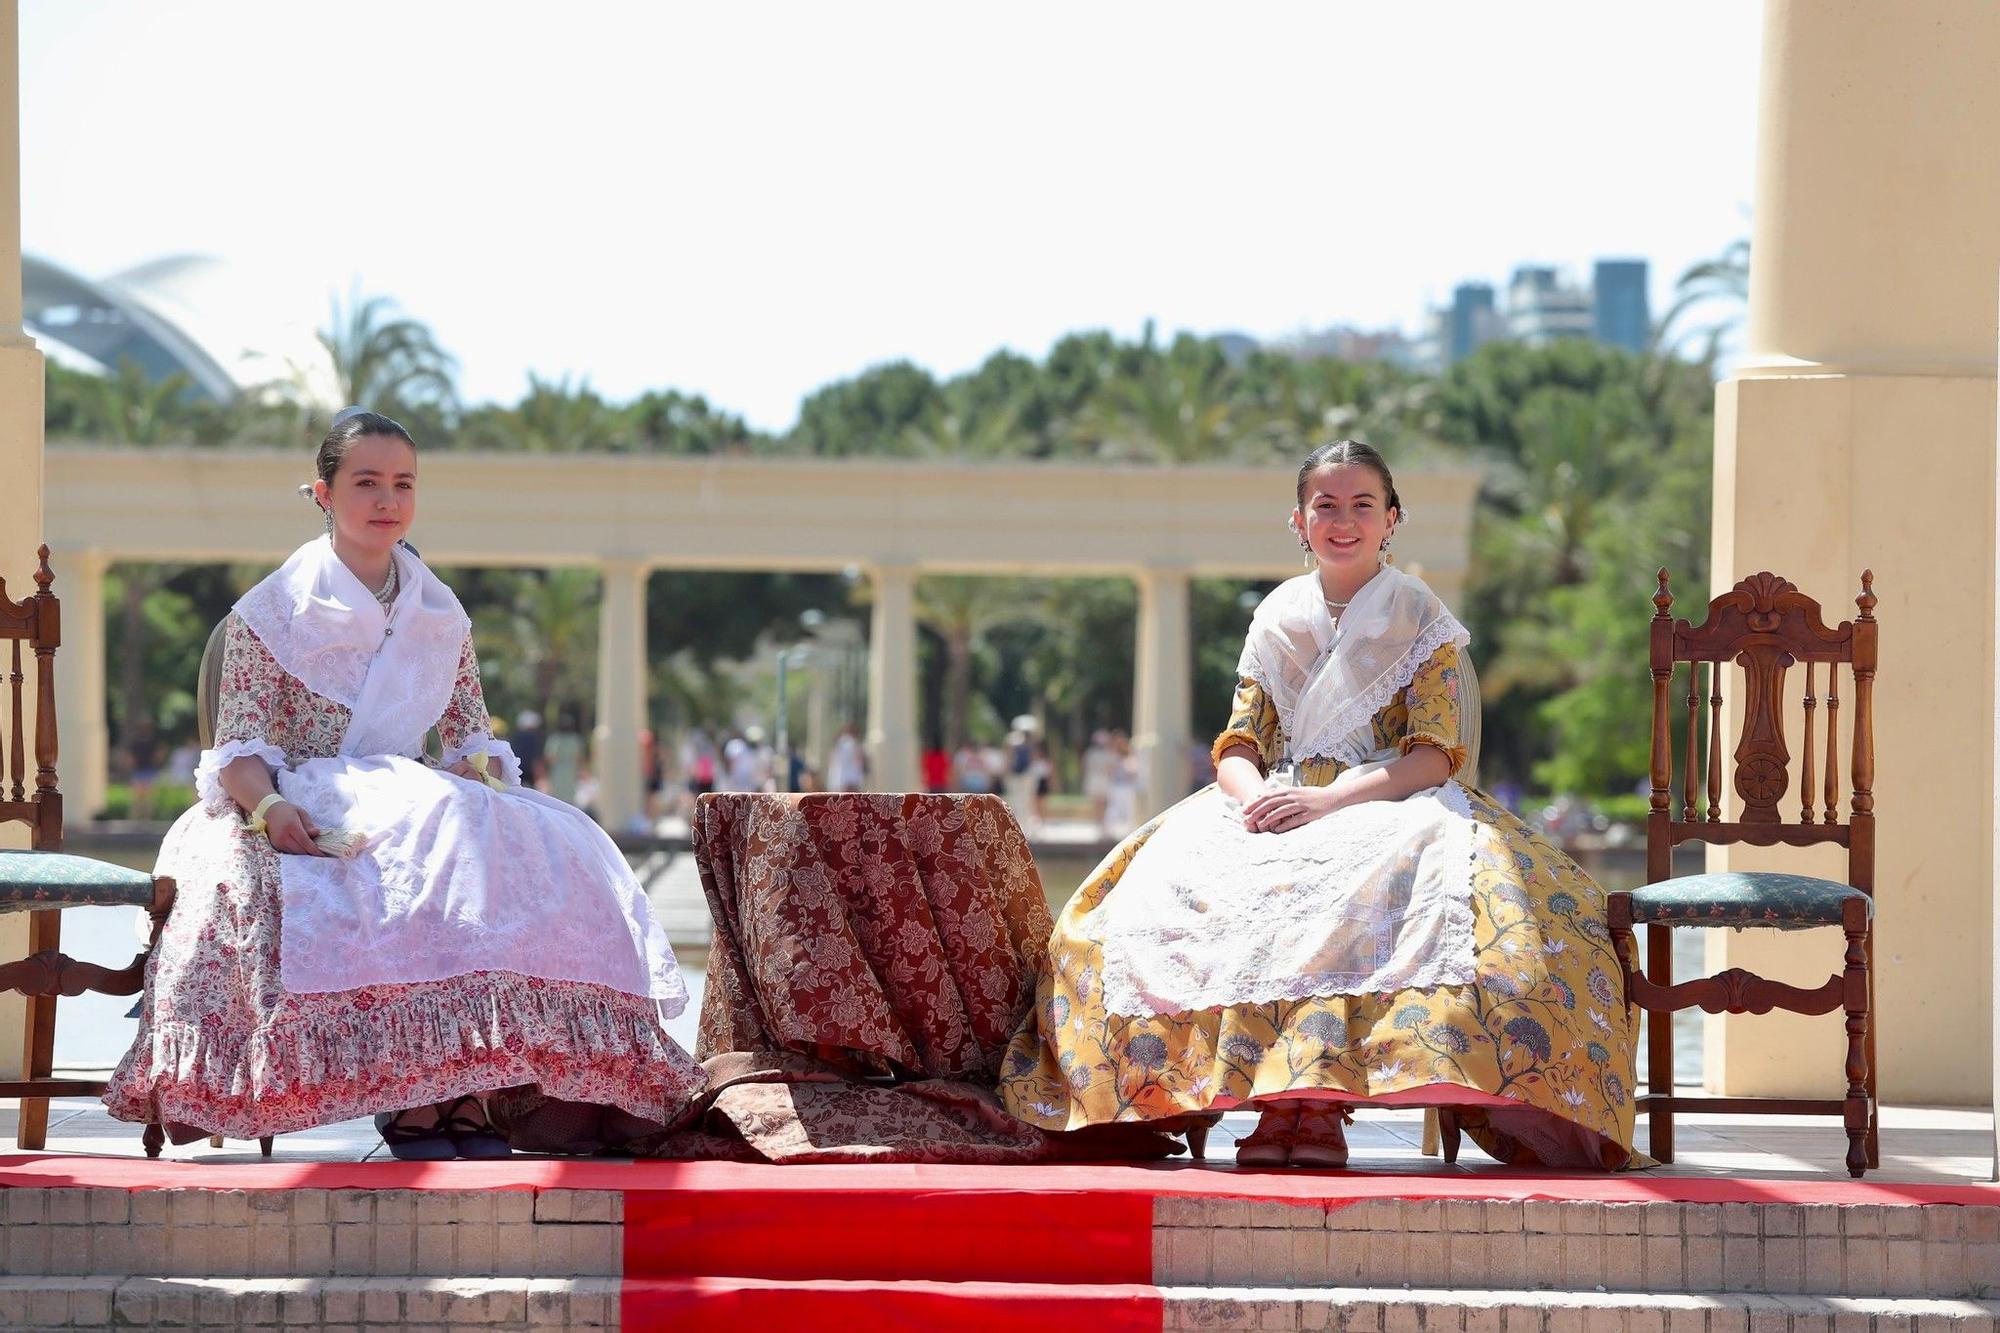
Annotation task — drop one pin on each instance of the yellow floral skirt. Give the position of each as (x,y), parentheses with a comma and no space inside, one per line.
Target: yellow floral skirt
(1536,1054)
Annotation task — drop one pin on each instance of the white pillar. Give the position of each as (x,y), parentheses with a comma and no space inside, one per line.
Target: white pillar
(1162,696)
(1992,831)
(20,463)
(892,680)
(1860,432)
(83,734)
(621,692)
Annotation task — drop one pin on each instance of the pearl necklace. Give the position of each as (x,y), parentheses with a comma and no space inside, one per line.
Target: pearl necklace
(387,593)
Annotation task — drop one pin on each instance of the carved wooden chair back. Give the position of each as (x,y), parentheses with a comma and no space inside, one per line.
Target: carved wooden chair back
(31,627)
(1766,627)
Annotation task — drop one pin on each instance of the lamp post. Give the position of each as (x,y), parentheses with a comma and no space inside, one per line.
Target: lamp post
(798,654)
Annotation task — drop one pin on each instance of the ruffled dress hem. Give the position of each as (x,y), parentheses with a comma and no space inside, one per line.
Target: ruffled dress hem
(433,1042)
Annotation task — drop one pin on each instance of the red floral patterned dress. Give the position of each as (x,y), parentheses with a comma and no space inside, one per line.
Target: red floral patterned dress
(223,1048)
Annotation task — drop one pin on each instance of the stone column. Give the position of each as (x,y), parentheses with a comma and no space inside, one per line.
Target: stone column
(82,732)
(621,692)
(20,462)
(1162,698)
(892,680)
(1860,432)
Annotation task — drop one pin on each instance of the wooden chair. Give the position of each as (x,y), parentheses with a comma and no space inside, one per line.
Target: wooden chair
(1765,626)
(43,880)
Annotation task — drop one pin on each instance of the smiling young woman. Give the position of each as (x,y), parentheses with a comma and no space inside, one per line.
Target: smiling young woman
(1338,921)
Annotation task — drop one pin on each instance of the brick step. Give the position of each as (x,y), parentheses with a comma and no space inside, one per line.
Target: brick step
(308,1233)
(328,1303)
(737,1303)
(691,1304)
(1862,1250)
(1439,1310)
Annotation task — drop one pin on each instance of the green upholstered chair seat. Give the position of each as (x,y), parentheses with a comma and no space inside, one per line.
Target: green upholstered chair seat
(41,881)
(1741,898)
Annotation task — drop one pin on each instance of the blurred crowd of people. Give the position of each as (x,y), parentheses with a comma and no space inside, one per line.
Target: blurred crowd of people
(1019,768)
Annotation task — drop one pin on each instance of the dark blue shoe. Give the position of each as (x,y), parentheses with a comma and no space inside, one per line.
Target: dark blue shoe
(474,1140)
(429,1144)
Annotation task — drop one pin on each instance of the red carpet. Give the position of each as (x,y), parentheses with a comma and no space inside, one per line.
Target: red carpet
(888,1235)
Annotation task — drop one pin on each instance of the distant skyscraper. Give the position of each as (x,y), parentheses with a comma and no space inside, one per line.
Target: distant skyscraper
(1471,322)
(1541,308)
(1622,316)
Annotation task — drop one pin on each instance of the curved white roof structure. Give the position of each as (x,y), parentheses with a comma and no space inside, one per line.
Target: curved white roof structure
(190,313)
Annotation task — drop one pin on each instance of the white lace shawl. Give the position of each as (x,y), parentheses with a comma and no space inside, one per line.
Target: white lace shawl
(394,670)
(1328,683)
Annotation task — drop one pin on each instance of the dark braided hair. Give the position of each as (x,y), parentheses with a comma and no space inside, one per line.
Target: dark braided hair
(1349,451)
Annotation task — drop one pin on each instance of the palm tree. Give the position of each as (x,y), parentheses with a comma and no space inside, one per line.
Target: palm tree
(1174,410)
(545,643)
(950,433)
(1721,286)
(384,361)
(558,418)
(962,609)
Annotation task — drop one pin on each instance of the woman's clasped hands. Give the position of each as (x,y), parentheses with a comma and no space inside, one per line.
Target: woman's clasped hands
(1283,808)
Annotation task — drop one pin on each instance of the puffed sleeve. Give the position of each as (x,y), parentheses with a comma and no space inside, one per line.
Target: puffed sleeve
(466,730)
(1253,721)
(1432,699)
(248,711)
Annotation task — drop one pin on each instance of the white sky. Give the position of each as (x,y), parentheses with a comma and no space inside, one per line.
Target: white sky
(748,201)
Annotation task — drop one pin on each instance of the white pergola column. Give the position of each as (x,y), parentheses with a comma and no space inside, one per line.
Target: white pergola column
(20,465)
(83,733)
(892,680)
(621,692)
(1162,697)
(1859,431)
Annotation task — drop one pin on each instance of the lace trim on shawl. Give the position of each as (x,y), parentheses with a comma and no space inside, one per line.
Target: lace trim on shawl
(481,742)
(208,772)
(1355,713)
(420,1044)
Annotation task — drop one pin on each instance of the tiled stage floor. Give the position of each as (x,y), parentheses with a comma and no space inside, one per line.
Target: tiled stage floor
(1919,1144)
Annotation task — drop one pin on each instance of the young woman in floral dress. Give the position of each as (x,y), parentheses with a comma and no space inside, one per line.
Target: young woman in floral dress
(363,930)
(1337,921)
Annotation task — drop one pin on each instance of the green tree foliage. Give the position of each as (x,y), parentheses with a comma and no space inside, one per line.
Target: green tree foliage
(1597,473)
(873,413)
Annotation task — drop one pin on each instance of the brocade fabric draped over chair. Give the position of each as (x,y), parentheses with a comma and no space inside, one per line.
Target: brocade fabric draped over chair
(886,934)
(873,956)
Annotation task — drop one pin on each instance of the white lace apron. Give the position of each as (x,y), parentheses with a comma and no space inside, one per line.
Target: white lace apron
(1373,898)
(456,877)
